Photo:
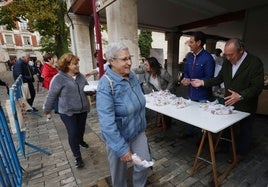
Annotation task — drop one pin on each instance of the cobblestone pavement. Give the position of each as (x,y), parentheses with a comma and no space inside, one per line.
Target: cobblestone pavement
(173,157)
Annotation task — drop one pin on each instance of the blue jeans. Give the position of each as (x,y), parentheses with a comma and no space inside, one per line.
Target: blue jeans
(75,126)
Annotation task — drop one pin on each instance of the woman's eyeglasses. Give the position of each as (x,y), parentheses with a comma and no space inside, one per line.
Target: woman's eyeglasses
(124,59)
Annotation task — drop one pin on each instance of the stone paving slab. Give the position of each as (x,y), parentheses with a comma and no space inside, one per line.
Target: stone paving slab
(173,157)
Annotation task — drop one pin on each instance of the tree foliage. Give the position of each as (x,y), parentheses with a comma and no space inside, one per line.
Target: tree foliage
(145,43)
(44,16)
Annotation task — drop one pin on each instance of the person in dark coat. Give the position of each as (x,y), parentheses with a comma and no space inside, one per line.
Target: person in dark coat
(22,67)
(242,75)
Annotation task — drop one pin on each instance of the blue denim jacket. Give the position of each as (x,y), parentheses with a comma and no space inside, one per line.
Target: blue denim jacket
(121,110)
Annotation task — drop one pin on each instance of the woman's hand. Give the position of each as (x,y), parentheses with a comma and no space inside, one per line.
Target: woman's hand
(127,157)
(186,81)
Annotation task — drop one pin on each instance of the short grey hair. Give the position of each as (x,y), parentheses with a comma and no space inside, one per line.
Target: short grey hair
(239,44)
(113,48)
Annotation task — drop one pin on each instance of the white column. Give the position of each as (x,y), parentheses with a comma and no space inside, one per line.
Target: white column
(173,40)
(81,43)
(122,25)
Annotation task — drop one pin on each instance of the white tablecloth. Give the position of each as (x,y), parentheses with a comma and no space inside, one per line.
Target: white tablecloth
(92,86)
(197,116)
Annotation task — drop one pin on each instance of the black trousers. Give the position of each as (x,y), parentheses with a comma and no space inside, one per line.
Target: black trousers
(75,126)
(243,132)
(32,93)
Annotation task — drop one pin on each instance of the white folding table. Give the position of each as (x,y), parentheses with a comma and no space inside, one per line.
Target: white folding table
(210,123)
(91,87)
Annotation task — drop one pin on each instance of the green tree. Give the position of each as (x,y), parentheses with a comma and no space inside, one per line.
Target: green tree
(44,16)
(145,43)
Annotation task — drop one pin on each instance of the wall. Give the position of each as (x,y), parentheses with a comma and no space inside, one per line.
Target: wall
(257,23)
(159,42)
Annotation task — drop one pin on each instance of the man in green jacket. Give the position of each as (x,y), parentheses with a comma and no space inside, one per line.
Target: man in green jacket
(242,75)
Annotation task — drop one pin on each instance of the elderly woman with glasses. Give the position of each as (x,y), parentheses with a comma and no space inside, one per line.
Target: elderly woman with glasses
(121,111)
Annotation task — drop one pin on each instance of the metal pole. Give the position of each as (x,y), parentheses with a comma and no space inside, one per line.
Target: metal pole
(98,38)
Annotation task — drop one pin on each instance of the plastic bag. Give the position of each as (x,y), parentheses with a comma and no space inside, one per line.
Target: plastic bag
(144,163)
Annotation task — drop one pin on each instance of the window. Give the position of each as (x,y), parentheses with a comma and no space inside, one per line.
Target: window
(23,25)
(26,40)
(9,39)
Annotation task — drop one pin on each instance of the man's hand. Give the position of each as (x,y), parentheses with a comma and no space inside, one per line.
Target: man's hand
(197,82)
(88,74)
(232,99)
(127,157)
(94,72)
(186,81)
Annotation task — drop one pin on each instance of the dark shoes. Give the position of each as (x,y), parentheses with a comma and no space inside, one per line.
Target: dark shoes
(84,144)
(32,110)
(79,162)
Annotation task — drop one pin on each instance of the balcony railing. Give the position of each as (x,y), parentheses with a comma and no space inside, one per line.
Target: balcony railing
(9,46)
(27,47)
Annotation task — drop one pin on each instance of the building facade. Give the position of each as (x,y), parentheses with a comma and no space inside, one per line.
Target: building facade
(17,41)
